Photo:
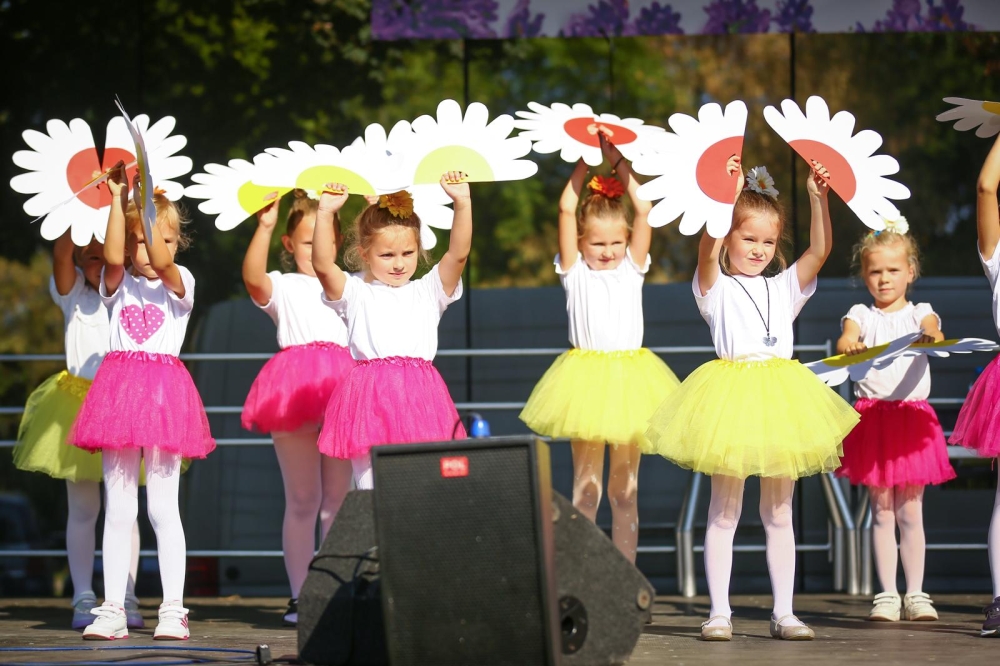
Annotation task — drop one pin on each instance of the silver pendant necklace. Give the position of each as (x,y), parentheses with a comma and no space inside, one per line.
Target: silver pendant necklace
(769,340)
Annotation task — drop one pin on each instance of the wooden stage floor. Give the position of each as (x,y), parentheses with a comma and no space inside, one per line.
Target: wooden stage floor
(842,635)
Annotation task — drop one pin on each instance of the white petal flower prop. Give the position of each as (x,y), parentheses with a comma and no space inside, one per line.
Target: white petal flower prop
(572,131)
(856,173)
(945,348)
(62,162)
(970,113)
(760,181)
(836,370)
(691,168)
(143,194)
(230,193)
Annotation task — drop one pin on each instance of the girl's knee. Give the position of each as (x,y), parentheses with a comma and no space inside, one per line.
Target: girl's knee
(587,491)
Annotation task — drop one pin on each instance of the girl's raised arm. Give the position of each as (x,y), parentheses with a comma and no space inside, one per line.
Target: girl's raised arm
(708,247)
(255,276)
(329,273)
(642,234)
(460,240)
(987,213)
(568,201)
(63,267)
(114,237)
(820,229)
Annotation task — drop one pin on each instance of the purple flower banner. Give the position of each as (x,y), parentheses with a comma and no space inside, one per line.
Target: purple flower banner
(499,19)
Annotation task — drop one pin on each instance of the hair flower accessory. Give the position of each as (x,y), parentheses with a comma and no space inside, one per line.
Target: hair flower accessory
(760,181)
(400,204)
(898,226)
(159,190)
(611,188)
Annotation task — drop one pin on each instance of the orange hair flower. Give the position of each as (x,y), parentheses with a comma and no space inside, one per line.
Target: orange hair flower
(400,204)
(159,190)
(611,188)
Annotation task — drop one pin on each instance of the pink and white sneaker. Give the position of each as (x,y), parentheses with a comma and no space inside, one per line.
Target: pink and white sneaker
(109,625)
(173,624)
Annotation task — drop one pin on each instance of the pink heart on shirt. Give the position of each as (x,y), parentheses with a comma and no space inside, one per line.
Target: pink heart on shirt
(141,323)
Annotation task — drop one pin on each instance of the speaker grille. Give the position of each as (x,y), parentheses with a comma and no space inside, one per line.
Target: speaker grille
(460,556)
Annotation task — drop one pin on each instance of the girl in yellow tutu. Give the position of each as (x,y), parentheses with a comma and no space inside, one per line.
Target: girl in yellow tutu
(755,412)
(605,388)
(52,408)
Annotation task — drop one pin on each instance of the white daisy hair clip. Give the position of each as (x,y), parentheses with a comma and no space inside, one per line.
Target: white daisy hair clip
(760,181)
(897,225)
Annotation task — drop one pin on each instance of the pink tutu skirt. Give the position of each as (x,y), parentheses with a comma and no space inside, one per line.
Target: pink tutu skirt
(294,387)
(978,425)
(143,400)
(395,400)
(897,443)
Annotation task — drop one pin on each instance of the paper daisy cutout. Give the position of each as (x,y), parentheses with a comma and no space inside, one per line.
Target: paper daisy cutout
(61,166)
(945,348)
(836,370)
(971,113)
(856,173)
(230,193)
(691,168)
(572,131)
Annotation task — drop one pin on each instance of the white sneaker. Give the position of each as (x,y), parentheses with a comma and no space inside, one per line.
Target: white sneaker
(886,607)
(132,614)
(82,605)
(109,625)
(917,607)
(173,624)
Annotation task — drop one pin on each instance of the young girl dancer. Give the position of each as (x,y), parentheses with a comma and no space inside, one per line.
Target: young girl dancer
(289,395)
(754,412)
(978,425)
(604,389)
(51,410)
(394,395)
(143,405)
(898,447)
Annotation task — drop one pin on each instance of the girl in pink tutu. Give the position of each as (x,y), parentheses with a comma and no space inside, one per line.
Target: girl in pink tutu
(978,425)
(143,405)
(898,447)
(394,395)
(290,394)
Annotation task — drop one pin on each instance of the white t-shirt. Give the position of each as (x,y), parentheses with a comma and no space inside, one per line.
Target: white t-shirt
(297,311)
(385,321)
(88,333)
(738,328)
(146,316)
(604,307)
(907,377)
(992,268)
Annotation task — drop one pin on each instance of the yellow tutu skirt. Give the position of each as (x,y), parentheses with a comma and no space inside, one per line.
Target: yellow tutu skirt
(599,396)
(770,418)
(41,437)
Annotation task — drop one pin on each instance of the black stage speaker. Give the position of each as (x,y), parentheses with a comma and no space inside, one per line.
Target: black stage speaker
(340,613)
(466,552)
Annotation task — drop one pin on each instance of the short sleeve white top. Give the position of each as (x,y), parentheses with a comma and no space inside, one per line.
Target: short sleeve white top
(736,309)
(604,307)
(384,321)
(907,377)
(87,331)
(992,268)
(297,310)
(146,316)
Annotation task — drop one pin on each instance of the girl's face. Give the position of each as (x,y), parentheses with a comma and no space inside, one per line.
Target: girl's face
(603,243)
(392,256)
(887,273)
(299,244)
(751,245)
(135,246)
(90,259)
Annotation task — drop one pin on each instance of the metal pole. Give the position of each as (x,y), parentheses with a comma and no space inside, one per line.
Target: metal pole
(685,538)
(863,519)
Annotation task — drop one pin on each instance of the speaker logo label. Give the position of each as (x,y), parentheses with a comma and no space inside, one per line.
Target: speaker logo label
(454,466)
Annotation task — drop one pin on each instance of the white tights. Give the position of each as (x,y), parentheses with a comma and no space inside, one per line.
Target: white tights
(84,502)
(903,506)
(623,480)
(121,485)
(315,485)
(994,541)
(362,468)
(724,514)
